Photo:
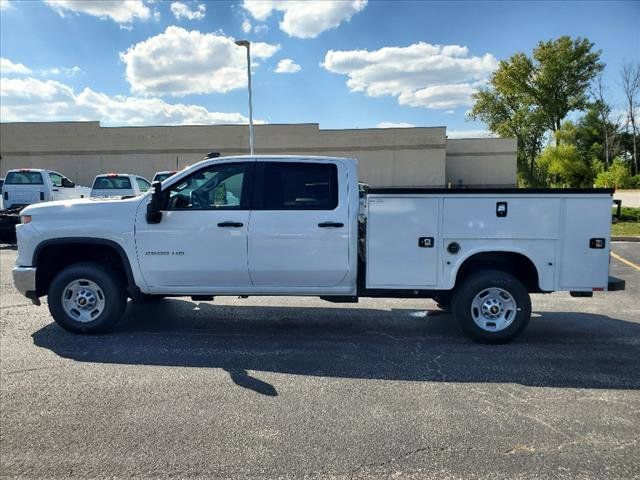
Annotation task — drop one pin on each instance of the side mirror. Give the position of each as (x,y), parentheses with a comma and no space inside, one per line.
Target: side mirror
(154,213)
(66,183)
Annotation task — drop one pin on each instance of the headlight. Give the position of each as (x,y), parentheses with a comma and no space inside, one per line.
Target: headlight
(25,219)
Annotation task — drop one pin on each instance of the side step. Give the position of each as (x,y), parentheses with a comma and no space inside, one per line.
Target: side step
(340,299)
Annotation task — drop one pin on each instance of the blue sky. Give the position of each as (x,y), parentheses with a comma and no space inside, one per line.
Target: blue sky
(352,64)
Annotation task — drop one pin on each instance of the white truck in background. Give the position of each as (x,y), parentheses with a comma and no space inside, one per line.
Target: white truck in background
(293,225)
(26,186)
(118,185)
(163,175)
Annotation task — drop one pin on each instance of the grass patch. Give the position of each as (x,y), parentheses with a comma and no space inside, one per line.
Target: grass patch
(628,224)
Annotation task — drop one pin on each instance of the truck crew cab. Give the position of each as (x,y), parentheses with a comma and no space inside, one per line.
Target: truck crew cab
(292,225)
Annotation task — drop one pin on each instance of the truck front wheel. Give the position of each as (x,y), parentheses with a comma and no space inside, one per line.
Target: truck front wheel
(492,306)
(87,297)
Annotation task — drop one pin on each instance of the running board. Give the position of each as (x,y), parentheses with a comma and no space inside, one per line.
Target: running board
(340,299)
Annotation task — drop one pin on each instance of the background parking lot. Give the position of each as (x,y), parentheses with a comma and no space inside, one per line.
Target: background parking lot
(291,387)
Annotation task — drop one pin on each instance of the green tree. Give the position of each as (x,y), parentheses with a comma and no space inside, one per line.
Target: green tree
(563,71)
(618,175)
(529,96)
(565,167)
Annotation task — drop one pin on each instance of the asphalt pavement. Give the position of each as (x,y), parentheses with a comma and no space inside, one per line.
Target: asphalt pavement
(301,388)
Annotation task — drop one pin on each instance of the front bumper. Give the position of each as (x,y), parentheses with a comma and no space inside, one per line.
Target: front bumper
(24,279)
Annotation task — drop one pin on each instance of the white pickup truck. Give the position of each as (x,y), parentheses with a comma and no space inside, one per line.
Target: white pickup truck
(114,185)
(27,186)
(289,225)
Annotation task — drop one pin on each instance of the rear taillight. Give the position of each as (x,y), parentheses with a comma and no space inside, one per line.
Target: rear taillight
(41,196)
(6,195)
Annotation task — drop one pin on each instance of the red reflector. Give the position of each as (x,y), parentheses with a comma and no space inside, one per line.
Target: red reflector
(112,174)
(598,289)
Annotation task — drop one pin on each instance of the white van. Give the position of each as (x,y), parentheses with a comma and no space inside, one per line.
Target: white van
(111,185)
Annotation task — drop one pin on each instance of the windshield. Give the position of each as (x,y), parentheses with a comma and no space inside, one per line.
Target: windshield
(112,183)
(24,178)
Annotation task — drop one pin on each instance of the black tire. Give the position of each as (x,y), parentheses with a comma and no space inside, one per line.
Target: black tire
(113,290)
(474,285)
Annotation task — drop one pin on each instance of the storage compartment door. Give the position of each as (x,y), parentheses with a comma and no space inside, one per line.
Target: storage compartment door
(402,246)
(584,267)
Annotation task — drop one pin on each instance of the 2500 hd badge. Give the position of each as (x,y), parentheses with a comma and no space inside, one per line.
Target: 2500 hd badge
(164,253)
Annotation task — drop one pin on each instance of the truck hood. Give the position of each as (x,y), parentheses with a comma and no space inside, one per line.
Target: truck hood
(82,208)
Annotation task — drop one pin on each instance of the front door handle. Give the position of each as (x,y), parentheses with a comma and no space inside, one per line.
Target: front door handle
(331,225)
(230,224)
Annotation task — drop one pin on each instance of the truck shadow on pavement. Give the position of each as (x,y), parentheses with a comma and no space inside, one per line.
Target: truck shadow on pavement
(559,349)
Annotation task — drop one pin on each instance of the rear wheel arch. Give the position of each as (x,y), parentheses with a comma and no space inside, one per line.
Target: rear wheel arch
(514,263)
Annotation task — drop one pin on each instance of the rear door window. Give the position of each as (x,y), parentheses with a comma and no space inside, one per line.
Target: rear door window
(24,178)
(112,183)
(300,186)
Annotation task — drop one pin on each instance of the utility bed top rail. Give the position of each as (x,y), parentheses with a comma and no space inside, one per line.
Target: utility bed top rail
(488,191)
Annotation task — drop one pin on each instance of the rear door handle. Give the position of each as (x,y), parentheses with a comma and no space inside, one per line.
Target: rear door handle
(230,224)
(331,225)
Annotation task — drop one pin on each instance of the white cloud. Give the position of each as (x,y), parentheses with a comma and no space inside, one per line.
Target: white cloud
(449,112)
(439,96)
(7,67)
(258,29)
(246,26)
(69,72)
(30,99)
(470,134)
(305,19)
(395,125)
(287,65)
(180,62)
(120,11)
(420,75)
(180,11)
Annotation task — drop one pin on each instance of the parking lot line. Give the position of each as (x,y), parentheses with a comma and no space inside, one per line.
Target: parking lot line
(625,261)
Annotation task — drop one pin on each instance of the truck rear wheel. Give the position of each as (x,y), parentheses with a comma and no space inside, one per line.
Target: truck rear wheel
(87,298)
(492,306)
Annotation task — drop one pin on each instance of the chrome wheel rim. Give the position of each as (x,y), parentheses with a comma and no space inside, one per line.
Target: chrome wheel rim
(493,309)
(83,300)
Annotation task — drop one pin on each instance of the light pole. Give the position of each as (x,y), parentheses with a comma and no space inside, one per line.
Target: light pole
(246,43)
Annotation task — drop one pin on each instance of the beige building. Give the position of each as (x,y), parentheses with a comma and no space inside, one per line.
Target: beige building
(421,156)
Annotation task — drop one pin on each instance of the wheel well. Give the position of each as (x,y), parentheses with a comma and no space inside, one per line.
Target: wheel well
(513,263)
(51,259)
